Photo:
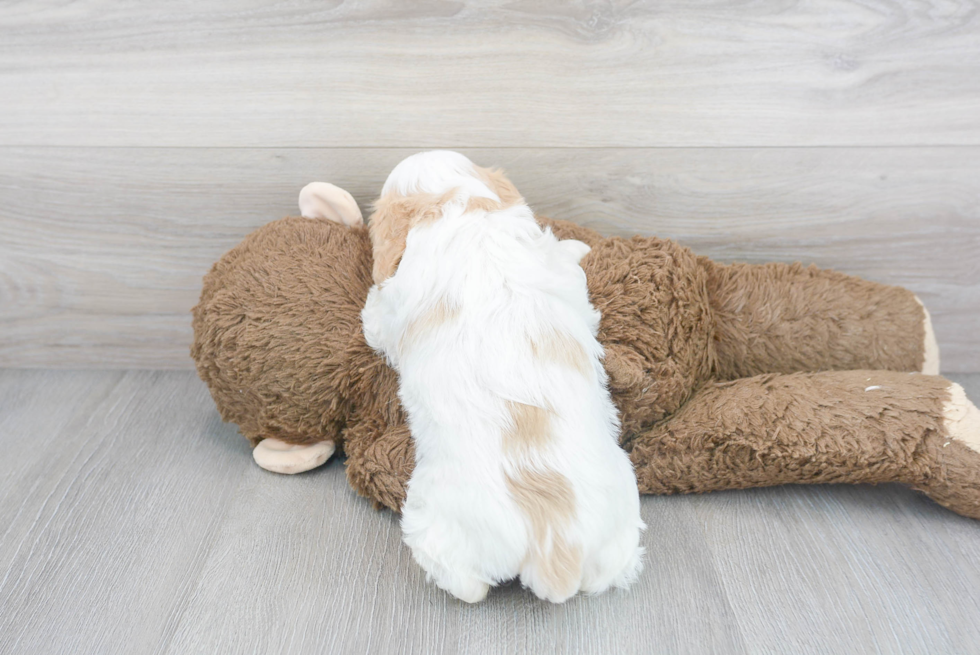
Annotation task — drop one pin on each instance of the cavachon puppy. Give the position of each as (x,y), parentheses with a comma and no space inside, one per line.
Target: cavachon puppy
(486,317)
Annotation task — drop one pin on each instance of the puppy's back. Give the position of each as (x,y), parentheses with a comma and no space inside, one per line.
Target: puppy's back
(511,358)
(489,323)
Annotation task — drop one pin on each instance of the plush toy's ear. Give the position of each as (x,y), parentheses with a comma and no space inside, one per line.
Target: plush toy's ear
(326,201)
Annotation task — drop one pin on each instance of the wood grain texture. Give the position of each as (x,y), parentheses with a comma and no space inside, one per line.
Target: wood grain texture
(103,538)
(102,250)
(491,74)
(132,520)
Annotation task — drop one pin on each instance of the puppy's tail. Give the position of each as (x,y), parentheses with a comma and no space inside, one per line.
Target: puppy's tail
(552,568)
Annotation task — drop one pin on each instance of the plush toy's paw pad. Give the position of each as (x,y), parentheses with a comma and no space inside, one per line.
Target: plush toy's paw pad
(962,418)
(281,457)
(326,201)
(930,361)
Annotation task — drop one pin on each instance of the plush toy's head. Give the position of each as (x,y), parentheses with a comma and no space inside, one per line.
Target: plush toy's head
(278,335)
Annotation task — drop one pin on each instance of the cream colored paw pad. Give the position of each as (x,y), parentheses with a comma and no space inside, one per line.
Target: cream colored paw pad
(281,457)
(962,418)
(930,361)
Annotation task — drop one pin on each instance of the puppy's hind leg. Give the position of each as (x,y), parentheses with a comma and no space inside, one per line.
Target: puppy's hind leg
(457,580)
(616,564)
(449,557)
(553,574)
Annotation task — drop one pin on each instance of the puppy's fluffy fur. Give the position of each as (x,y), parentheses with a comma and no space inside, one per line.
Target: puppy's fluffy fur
(487,319)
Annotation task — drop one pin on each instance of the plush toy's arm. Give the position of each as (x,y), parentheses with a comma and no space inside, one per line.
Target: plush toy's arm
(380,461)
(831,427)
(783,318)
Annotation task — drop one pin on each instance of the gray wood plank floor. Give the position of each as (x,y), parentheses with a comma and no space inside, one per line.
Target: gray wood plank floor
(133,521)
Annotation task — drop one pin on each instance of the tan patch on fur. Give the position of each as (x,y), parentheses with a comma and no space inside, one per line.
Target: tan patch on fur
(394,217)
(530,429)
(504,188)
(561,348)
(477,203)
(548,501)
(440,313)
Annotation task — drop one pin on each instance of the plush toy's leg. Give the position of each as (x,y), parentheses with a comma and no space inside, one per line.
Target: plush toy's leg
(281,457)
(782,318)
(832,427)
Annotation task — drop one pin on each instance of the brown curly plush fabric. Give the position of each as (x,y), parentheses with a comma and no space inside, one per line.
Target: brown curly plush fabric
(278,340)
(829,427)
(272,328)
(790,305)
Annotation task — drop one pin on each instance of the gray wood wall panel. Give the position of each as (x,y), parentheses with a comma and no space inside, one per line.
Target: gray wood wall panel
(102,250)
(463,74)
(133,521)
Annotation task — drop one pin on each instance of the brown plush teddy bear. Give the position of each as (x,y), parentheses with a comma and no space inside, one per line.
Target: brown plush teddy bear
(726,376)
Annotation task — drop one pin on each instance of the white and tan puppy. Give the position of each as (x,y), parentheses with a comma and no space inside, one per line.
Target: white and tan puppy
(487,319)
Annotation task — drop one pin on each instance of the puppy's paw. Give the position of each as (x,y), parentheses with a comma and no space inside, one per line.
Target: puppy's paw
(451,577)
(469,590)
(575,249)
(618,561)
(375,323)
